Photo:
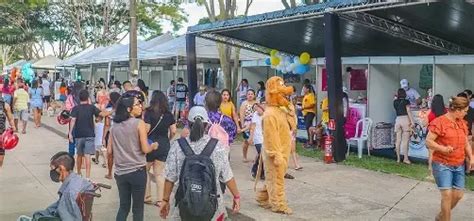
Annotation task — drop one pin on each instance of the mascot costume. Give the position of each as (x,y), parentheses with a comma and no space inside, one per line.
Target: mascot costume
(279,120)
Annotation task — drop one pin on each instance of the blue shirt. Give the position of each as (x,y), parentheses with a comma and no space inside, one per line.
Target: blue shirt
(66,208)
(199,99)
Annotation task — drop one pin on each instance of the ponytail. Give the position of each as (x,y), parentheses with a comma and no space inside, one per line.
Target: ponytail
(197,130)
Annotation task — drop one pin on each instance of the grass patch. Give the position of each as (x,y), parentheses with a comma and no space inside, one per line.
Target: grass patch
(414,171)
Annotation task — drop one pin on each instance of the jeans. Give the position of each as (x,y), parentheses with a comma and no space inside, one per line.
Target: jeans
(255,164)
(131,186)
(449,177)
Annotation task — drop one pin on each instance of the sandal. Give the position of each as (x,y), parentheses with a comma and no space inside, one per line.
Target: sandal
(299,168)
(108,176)
(104,166)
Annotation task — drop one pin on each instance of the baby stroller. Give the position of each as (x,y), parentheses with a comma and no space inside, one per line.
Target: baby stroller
(84,200)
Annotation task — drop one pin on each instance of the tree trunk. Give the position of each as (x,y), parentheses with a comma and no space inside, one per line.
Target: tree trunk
(224,51)
(235,68)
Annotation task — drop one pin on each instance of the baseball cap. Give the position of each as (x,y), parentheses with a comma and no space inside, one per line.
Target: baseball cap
(404,83)
(198,112)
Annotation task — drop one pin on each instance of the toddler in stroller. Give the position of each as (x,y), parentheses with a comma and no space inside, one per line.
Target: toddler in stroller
(76,194)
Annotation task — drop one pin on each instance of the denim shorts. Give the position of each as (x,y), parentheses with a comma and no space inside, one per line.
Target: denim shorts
(449,177)
(85,145)
(180,105)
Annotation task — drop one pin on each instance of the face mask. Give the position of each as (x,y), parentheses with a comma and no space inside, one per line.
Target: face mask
(54,175)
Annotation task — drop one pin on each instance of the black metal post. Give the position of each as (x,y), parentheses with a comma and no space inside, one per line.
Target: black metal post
(191,66)
(332,50)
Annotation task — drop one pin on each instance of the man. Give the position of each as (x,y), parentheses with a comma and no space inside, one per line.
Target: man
(5,113)
(412,95)
(21,98)
(127,86)
(115,87)
(171,93)
(82,123)
(66,207)
(46,91)
(200,96)
(181,95)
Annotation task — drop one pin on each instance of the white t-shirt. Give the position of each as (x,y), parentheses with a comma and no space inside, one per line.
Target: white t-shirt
(46,88)
(412,96)
(258,133)
(99,131)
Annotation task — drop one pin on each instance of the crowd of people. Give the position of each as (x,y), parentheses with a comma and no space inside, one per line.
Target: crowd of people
(136,136)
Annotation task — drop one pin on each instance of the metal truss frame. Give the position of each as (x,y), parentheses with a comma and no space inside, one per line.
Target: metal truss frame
(235,43)
(303,13)
(401,31)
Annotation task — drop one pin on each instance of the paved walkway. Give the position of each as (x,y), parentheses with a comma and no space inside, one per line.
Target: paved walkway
(319,192)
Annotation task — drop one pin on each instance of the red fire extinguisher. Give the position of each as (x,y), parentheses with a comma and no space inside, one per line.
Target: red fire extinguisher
(328,149)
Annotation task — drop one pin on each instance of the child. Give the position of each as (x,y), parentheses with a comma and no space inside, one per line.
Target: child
(99,145)
(256,136)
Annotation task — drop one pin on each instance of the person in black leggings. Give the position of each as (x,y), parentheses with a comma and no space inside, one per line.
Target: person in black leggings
(308,107)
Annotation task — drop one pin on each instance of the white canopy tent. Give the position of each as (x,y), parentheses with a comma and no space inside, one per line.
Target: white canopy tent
(49,63)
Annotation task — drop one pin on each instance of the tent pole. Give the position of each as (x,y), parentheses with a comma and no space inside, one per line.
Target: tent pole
(109,70)
(191,66)
(332,48)
(177,66)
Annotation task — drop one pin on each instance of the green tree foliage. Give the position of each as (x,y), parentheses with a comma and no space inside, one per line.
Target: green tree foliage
(426,77)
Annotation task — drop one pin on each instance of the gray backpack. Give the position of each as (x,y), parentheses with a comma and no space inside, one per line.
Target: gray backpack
(196,196)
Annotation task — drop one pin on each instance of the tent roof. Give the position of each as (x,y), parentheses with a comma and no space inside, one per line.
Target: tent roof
(18,63)
(48,62)
(367,28)
(204,49)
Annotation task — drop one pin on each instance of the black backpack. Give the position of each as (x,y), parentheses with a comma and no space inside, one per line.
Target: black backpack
(196,196)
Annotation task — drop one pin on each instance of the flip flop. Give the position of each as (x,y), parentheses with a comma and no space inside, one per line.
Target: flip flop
(108,177)
(298,168)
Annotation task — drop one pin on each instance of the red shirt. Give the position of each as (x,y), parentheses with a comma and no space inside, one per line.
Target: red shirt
(432,116)
(453,134)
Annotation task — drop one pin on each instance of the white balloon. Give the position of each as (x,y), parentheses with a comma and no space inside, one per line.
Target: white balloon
(296,61)
(293,66)
(288,68)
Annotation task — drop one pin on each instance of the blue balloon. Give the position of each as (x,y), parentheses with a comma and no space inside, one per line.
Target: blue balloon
(300,69)
(307,68)
(267,61)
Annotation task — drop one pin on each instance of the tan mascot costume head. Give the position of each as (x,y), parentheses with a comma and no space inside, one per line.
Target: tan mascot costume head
(279,121)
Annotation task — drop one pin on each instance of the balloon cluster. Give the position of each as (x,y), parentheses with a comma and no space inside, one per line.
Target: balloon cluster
(287,64)
(27,73)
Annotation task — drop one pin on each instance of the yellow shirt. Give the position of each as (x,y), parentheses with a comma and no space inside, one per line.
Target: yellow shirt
(309,100)
(325,115)
(22,99)
(227,108)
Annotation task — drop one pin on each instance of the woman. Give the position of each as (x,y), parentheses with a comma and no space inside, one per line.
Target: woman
(128,145)
(143,88)
(36,102)
(261,92)
(62,92)
(448,139)
(108,121)
(308,107)
(162,129)
(437,109)
(294,154)
(403,124)
(242,91)
(246,112)
(228,108)
(7,92)
(102,97)
(223,172)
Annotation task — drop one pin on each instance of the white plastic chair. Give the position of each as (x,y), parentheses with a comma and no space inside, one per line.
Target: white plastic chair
(360,138)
